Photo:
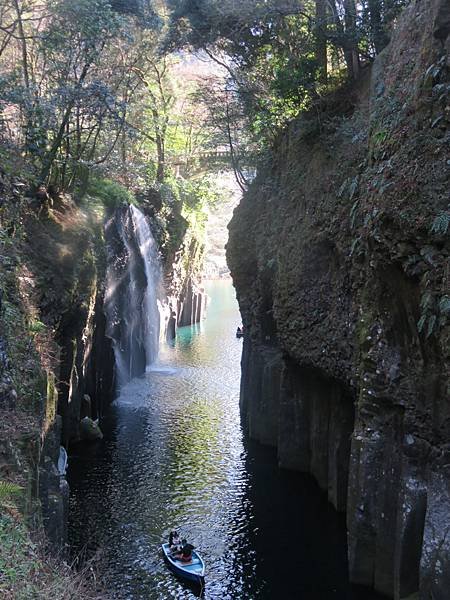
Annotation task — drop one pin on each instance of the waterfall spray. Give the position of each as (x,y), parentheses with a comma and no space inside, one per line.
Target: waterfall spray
(152,266)
(134,290)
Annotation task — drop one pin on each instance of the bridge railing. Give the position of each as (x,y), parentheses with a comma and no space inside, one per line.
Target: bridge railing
(215,156)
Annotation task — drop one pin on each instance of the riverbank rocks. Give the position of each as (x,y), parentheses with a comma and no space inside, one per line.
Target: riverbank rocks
(90,430)
(340,256)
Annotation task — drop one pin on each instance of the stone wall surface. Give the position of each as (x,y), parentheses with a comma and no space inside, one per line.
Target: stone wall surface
(183,267)
(66,258)
(57,364)
(339,254)
(55,360)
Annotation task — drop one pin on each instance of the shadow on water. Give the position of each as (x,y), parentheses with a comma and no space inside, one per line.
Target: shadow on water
(196,589)
(173,455)
(298,538)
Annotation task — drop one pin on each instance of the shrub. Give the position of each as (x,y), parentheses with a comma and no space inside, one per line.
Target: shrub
(111,193)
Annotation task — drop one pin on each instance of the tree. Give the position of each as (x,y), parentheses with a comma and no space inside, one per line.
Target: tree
(94,85)
(160,101)
(278,52)
(77,82)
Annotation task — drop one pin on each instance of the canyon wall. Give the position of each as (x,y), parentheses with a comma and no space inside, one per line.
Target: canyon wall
(183,259)
(57,363)
(339,253)
(66,260)
(57,360)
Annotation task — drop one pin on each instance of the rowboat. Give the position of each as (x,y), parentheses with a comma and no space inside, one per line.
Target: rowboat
(192,571)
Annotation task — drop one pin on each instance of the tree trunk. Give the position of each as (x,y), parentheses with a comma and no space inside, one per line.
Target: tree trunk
(341,38)
(23,44)
(321,40)
(379,36)
(51,155)
(351,38)
(30,137)
(160,170)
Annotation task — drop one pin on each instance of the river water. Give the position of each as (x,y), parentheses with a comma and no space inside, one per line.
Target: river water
(174,455)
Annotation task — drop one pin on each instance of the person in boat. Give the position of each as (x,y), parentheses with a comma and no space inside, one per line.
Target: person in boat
(174,541)
(186,551)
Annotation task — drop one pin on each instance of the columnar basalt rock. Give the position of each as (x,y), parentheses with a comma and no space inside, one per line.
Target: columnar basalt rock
(191,304)
(339,254)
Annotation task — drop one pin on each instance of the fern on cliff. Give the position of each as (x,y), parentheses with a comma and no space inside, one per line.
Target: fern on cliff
(444,305)
(435,313)
(9,490)
(441,223)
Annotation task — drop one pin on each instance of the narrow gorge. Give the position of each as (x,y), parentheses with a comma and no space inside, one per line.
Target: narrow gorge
(280,401)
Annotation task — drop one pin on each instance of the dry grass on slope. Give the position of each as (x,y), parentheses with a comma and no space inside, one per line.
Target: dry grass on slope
(26,573)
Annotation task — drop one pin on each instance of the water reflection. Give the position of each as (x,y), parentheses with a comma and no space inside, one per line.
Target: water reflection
(174,455)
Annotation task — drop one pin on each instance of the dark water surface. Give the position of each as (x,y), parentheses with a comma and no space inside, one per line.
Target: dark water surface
(174,455)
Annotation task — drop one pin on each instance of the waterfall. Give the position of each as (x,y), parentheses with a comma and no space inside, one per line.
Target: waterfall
(134,293)
(152,266)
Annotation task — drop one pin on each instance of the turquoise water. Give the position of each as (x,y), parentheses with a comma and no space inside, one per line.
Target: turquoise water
(174,455)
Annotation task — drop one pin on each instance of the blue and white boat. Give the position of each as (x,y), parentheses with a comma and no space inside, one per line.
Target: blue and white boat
(191,571)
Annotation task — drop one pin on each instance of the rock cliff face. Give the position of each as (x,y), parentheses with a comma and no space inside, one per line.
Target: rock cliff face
(183,265)
(57,364)
(66,259)
(340,257)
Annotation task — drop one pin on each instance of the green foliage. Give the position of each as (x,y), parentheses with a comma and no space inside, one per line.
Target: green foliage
(68,92)
(25,573)
(444,305)
(173,123)
(9,490)
(441,223)
(36,327)
(349,189)
(184,212)
(379,137)
(198,194)
(421,322)
(427,304)
(435,313)
(284,54)
(111,193)
(91,84)
(192,194)
(15,547)
(281,75)
(354,213)
(431,323)
(25,371)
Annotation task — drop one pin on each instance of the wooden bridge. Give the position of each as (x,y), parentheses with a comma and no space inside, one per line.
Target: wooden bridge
(215,157)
